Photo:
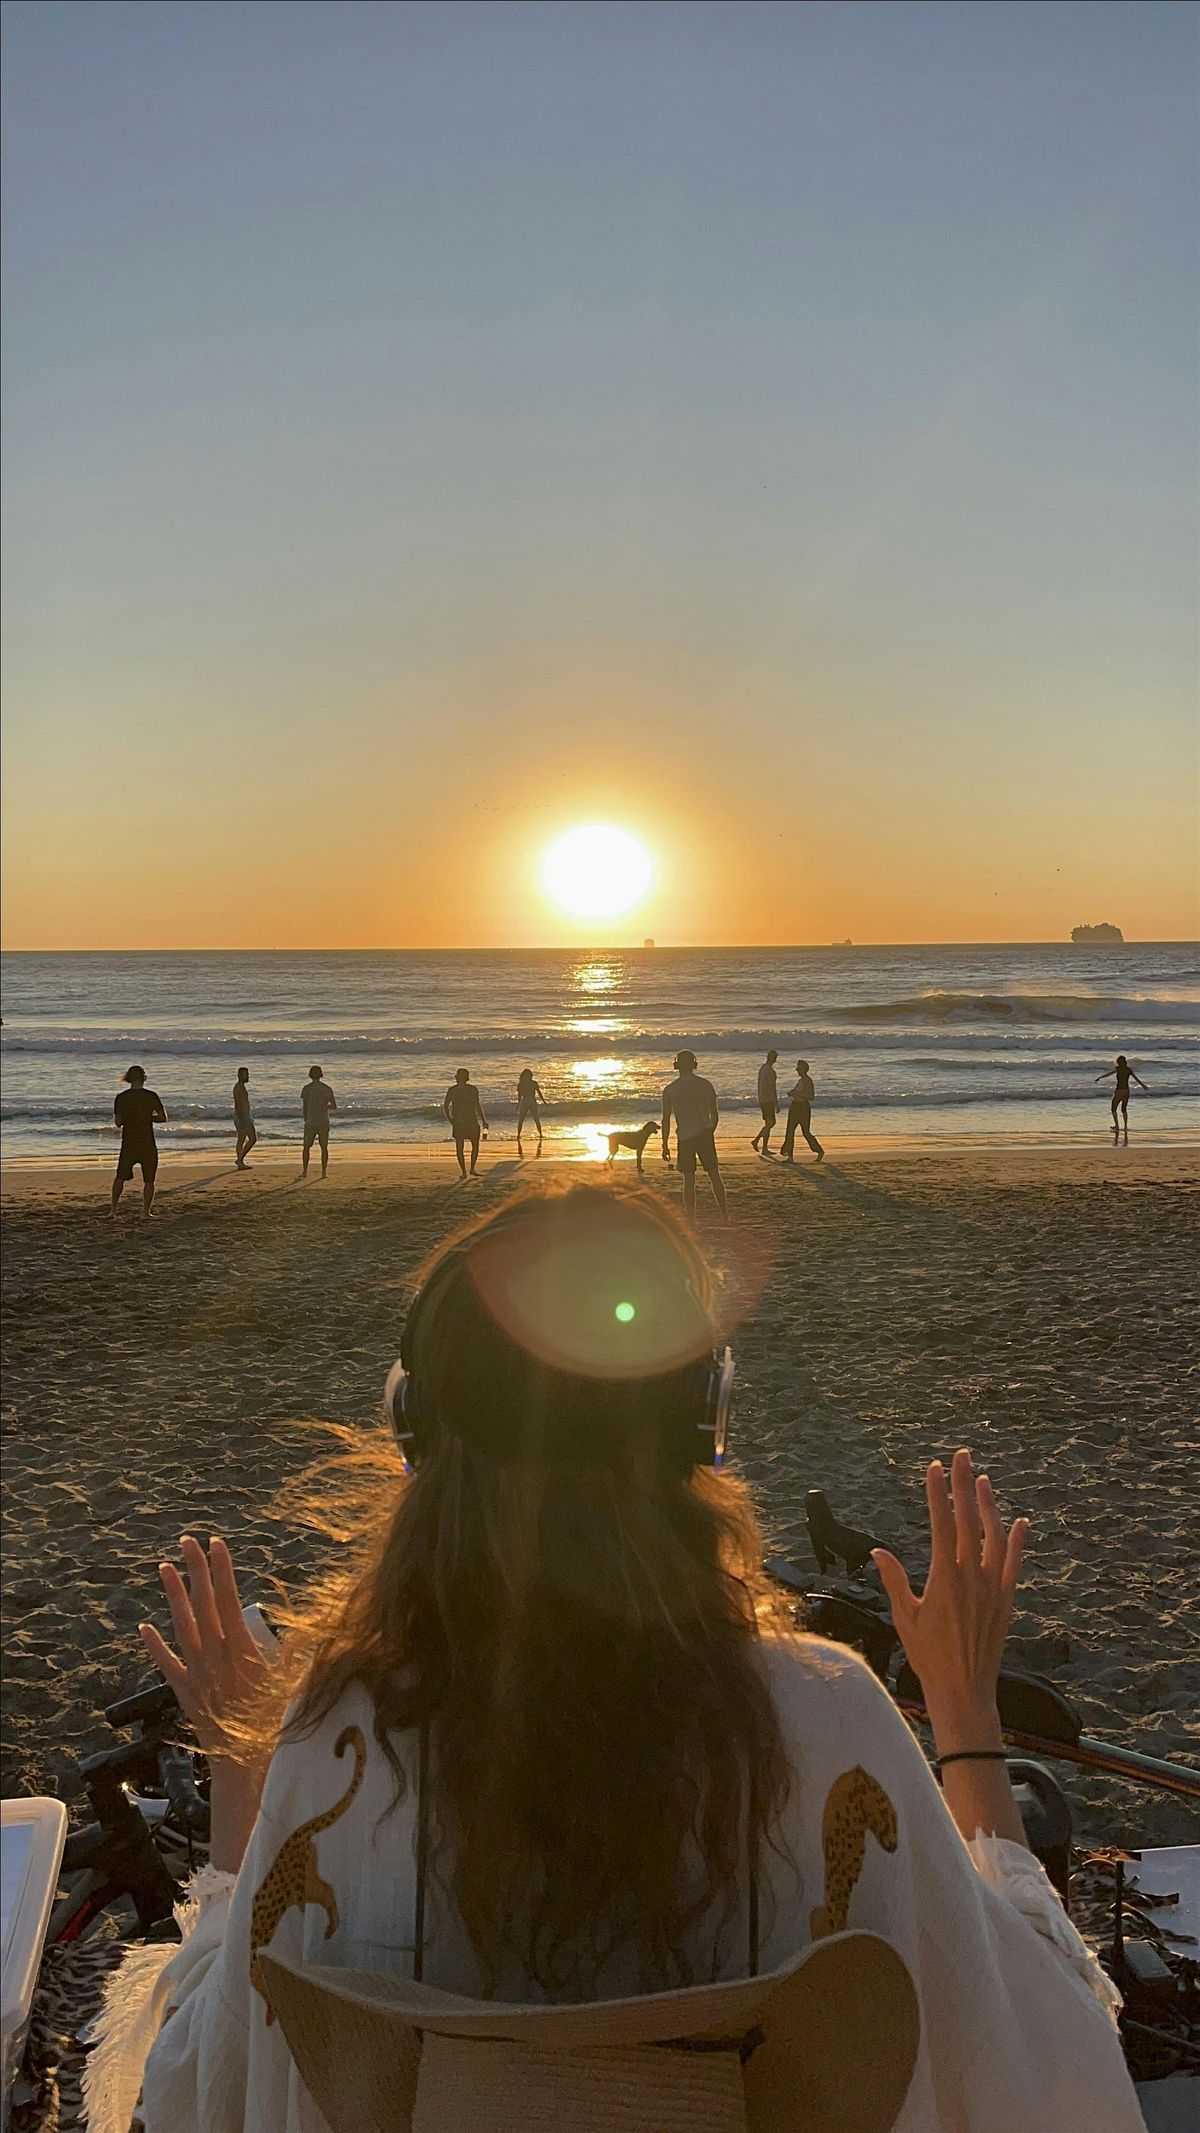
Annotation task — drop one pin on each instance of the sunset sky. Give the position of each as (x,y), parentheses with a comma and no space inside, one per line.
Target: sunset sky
(770,429)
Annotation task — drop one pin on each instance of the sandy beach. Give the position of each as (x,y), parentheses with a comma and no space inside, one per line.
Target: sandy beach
(1037,1304)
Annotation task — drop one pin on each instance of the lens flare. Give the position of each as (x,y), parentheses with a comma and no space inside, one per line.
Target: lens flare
(605,1298)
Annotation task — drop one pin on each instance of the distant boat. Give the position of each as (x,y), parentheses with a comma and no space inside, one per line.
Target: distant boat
(847,943)
(1109,935)
(647,943)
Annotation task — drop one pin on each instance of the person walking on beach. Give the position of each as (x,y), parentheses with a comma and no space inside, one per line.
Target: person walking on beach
(243,1117)
(137,1110)
(318,1100)
(768,1103)
(692,1103)
(529,1096)
(799,1118)
(464,1109)
(1124,1075)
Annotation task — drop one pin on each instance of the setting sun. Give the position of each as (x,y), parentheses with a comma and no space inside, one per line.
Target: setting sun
(597,871)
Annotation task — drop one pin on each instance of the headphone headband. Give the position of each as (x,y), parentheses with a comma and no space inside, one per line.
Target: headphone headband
(690,1444)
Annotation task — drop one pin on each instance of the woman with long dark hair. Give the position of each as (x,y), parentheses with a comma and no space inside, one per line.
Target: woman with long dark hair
(548,1735)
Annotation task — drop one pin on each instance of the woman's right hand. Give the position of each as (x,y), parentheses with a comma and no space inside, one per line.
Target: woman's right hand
(217,1669)
(954,1634)
(218,1666)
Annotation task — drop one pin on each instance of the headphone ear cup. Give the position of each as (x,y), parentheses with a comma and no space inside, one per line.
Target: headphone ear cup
(720,1394)
(402,1408)
(690,1441)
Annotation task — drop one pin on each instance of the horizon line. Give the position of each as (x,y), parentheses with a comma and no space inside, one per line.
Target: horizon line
(648,944)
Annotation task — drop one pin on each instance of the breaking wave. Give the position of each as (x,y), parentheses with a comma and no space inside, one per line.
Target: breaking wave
(1004,1007)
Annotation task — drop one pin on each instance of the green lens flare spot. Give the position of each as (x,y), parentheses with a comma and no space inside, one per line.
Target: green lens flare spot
(625,1314)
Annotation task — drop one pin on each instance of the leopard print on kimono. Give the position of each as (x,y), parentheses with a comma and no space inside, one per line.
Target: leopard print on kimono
(857,1804)
(295,1878)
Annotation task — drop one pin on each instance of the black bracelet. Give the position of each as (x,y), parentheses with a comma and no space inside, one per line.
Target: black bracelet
(970,1755)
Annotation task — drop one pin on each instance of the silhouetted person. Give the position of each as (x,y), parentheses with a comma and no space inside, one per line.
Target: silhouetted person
(529,1096)
(137,1110)
(799,1118)
(318,1100)
(243,1117)
(768,1103)
(1124,1074)
(464,1109)
(692,1103)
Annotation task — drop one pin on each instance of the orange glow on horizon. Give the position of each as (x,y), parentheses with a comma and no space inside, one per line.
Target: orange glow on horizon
(378,847)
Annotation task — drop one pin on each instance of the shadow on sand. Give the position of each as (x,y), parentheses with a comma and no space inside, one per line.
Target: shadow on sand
(830,1179)
(215,1177)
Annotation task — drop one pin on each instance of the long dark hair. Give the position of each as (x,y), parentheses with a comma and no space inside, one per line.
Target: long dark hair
(577,1633)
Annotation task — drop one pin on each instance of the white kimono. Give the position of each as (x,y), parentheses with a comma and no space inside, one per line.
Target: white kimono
(1017,2019)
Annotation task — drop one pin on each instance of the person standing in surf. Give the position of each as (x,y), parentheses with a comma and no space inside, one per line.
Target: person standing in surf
(799,1118)
(768,1103)
(137,1110)
(692,1103)
(1120,1097)
(529,1096)
(464,1109)
(318,1100)
(243,1117)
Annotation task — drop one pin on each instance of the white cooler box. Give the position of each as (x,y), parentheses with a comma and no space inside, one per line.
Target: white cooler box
(32,1835)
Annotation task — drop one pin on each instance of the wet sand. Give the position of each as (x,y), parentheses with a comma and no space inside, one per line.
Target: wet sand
(1039,1305)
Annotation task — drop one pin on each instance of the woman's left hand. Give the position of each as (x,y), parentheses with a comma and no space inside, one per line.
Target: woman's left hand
(953,1635)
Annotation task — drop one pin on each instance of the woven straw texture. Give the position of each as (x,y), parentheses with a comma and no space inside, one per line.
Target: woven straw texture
(825,2045)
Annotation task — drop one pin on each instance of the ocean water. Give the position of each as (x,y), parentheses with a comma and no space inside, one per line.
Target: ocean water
(916,1041)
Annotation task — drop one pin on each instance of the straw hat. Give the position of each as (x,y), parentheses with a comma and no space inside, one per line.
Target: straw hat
(825,2044)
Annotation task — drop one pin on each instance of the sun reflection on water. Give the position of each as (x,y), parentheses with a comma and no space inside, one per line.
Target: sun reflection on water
(599,1073)
(596,977)
(591,1140)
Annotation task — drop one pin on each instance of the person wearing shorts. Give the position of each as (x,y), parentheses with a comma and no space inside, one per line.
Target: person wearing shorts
(799,1118)
(464,1109)
(691,1102)
(137,1110)
(318,1100)
(768,1103)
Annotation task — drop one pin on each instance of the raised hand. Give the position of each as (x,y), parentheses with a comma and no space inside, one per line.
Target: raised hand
(217,1666)
(954,1634)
